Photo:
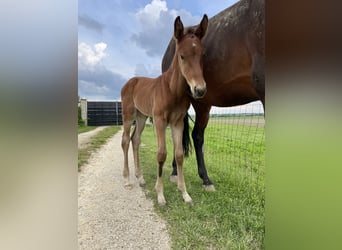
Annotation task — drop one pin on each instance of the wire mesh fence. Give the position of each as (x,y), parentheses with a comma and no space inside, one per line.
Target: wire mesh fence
(235,140)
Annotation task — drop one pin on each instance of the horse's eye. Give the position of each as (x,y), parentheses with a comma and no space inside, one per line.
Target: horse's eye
(182,57)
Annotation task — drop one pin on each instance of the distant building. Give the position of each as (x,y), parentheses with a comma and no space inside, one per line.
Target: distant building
(101,113)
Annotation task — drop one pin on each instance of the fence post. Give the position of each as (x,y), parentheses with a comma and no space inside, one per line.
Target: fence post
(84,111)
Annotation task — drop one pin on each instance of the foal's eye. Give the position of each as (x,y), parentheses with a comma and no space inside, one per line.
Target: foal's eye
(182,57)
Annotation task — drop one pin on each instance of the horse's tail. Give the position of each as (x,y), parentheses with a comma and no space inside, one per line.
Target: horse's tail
(186,136)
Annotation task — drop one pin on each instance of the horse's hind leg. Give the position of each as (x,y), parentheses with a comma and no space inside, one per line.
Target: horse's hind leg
(140,125)
(258,76)
(125,146)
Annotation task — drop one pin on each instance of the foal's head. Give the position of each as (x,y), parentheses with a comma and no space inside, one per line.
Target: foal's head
(189,53)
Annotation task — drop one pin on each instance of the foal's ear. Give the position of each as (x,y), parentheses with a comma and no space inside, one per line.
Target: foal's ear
(179,28)
(202,27)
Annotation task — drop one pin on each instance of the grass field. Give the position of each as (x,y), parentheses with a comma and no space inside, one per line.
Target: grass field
(233,216)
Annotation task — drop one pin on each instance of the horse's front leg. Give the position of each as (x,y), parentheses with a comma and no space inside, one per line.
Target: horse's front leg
(173,177)
(202,118)
(177,132)
(160,126)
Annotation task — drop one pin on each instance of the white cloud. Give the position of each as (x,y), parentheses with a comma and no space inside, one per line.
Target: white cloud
(151,12)
(155,22)
(95,80)
(91,55)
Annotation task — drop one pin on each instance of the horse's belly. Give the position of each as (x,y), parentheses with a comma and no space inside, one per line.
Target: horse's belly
(144,106)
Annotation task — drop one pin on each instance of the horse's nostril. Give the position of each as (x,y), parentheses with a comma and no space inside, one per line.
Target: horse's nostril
(199,92)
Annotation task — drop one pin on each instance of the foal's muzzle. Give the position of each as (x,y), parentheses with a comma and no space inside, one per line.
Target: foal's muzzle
(199,92)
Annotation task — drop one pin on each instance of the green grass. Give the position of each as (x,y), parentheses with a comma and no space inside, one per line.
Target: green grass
(83,129)
(96,142)
(233,216)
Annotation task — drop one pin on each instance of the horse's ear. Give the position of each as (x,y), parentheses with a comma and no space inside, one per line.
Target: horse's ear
(179,29)
(202,27)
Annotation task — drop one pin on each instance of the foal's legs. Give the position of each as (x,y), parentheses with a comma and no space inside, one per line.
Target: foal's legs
(177,132)
(160,125)
(125,146)
(139,127)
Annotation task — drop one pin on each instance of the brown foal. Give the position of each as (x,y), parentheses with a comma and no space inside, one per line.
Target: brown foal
(166,99)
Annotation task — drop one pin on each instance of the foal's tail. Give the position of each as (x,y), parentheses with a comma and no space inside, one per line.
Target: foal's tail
(186,136)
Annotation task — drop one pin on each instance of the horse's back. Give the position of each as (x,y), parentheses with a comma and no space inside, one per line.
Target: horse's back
(231,29)
(234,44)
(137,84)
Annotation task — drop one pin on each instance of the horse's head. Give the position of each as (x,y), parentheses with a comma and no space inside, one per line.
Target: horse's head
(189,53)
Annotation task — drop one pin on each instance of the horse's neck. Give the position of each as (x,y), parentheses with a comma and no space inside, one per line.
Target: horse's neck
(175,80)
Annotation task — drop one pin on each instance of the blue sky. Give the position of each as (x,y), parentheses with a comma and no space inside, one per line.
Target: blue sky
(118,39)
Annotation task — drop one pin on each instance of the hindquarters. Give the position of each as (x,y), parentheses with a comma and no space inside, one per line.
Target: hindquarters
(127,94)
(130,114)
(256,42)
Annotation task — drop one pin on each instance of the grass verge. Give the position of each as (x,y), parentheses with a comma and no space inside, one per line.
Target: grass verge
(83,129)
(96,142)
(230,218)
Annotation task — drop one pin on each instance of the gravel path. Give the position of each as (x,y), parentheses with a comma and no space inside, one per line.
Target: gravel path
(84,138)
(109,216)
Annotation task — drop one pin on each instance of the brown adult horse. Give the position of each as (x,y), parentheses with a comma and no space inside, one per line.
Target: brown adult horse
(166,100)
(233,67)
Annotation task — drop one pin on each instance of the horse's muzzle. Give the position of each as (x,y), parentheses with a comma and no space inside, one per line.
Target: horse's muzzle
(199,92)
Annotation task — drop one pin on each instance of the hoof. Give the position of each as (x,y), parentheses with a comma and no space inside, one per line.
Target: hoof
(173,178)
(190,204)
(142,182)
(187,199)
(162,204)
(210,188)
(161,201)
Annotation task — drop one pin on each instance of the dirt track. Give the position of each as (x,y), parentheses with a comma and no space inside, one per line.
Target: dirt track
(109,216)
(84,138)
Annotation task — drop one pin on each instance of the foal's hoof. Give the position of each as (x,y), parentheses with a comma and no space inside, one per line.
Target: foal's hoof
(187,199)
(128,186)
(161,202)
(210,188)
(142,182)
(173,178)
(189,203)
